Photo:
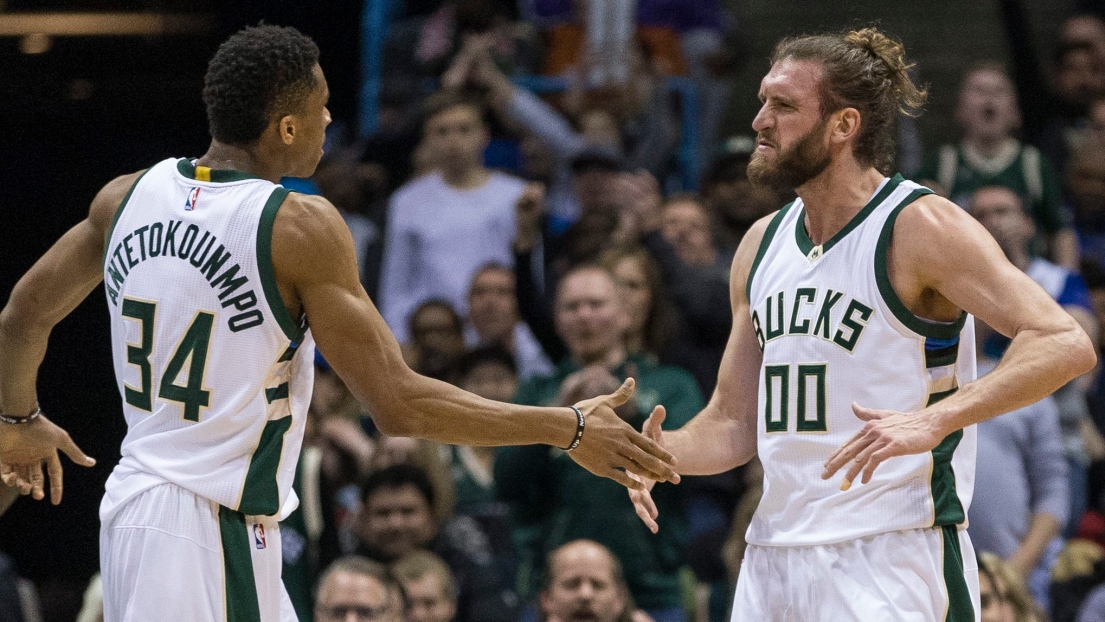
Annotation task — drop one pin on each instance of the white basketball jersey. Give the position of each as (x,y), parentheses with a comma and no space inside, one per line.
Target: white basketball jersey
(834,332)
(215,374)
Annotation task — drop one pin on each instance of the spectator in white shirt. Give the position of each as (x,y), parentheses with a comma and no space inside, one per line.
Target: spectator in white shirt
(443,226)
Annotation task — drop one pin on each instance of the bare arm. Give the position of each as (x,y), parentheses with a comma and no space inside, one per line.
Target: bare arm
(941,259)
(723,435)
(316,267)
(50,290)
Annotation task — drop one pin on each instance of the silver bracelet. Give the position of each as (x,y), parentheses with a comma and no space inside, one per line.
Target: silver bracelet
(4,418)
(580,424)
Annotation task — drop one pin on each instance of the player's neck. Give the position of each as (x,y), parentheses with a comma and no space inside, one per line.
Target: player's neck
(835,196)
(465,178)
(221,156)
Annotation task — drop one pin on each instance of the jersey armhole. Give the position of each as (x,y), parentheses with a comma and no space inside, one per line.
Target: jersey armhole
(291,329)
(119,213)
(769,234)
(919,325)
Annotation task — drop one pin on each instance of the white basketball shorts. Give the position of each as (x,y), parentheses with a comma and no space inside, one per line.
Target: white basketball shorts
(920,575)
(171,555)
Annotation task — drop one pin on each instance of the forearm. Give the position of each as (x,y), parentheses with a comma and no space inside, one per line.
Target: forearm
(20,357)
(426,408)
(711,443)
(1041,532)
(1036,364)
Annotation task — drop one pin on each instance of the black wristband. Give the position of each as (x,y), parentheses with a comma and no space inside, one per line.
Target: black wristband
(31,417)
(580,423)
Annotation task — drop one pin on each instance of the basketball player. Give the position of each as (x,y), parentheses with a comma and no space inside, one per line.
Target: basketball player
(218,283)
(851,325)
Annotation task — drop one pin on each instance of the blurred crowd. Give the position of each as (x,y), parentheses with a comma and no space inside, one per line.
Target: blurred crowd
(542,247)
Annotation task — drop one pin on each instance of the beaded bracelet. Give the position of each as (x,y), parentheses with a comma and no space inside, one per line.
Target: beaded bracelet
(580,423)
(27,419)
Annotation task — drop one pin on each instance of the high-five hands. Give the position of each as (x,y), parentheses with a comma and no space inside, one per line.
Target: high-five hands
(887,433)
(642,497)
(611,448)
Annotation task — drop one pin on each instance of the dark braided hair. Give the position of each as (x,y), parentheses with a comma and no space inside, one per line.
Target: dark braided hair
(258,73)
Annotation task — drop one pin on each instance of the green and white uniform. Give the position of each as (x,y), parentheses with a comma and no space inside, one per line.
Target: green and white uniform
(216,379)
(833,332)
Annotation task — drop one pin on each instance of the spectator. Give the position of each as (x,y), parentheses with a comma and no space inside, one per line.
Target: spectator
(734,202)
(1022,493)
(396,517)
(1055,112)
(555,501)
(336,451)
(992,600)
(700,293)
(989,155)
(493,320)
(341,179)
(359,589)
(1011,585)
(1086,188)
(428,583)
(644,140)
(487,372)
(1002,212)
(650,323)
(446,224)
(585,581)
(436,339)
(686,226)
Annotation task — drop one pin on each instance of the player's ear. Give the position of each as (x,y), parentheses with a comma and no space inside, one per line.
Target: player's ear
(845,125)
(286,128)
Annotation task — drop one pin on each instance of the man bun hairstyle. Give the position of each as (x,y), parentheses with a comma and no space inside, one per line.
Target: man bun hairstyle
(259,73)
(867,70)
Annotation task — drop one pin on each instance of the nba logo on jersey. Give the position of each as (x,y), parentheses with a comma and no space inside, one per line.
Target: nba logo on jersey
(259,535)
(194,195)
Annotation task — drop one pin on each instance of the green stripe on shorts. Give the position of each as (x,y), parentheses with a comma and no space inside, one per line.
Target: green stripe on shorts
(959,598)
(241,587)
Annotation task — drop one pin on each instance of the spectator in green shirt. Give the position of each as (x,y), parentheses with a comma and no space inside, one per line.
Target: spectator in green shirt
(990,155)
(556,502)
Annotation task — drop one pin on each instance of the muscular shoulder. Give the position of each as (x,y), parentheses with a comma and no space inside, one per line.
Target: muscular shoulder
(308,235)
(109,198)
(932,232)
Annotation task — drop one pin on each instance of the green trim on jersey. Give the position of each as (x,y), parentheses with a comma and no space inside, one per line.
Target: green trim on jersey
(769,233)
(261,493)
(805,244)
(947,509)
(264,266)
(960,608)
(923,327)
(218,176)
(239,583)
(118,213)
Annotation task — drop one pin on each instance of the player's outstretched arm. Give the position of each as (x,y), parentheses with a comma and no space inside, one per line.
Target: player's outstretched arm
(316,272)
(50,290)
(940,252)
(723,435)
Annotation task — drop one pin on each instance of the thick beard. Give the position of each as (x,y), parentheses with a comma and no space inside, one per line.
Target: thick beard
(806,159)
